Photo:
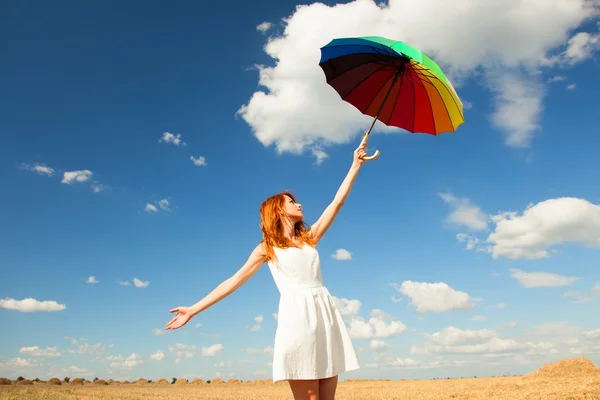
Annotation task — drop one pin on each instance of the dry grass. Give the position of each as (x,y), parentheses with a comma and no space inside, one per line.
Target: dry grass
(565,380)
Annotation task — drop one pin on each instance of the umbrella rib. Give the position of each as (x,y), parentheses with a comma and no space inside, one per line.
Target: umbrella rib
(362,81)
(433,76)
(403,73)
(374,97)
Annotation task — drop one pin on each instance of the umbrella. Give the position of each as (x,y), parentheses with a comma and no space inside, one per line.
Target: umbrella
(392,82)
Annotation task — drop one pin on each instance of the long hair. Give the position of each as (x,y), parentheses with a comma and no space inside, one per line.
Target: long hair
(271,225)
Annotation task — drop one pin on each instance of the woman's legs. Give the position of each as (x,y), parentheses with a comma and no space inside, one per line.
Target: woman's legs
(314,389)
(305,389)
(327,388)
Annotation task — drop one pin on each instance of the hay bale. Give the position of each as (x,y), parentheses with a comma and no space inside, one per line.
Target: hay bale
(181,381)
(76,381)
(54,381)
(141,381)
(259,382)
(162,381)
(100,382)
(217,381)
(126,382)
(233,381)
(268,381)
(5,381)
(24,382)
(565,369)
(198,381)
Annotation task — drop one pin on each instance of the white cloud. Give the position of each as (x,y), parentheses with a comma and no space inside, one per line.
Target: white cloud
(347,307)
(453,340)
(479,318)
(212,350)
(140,284)
(97,187)
(199,161)
(581,47)
(259,320)
(35,351)
(76,176)
(41,169)
(132,361)
(162,204)
(571,86)
(264,26)
(597,288)
(342,254)
(168,137)
(380,325)
(158,332)
(31,305)
(464,213)
(92,279)
(396,299)
(158,356)
(518,107)
(124,283)
(578,296)
(471,240)
(541,279)
(319,154)
(183,351)
(499,305)
(509,41)
(378,344)
(435,297)
(543,225)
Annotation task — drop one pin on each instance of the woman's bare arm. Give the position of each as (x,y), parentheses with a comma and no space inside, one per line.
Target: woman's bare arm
(256,259)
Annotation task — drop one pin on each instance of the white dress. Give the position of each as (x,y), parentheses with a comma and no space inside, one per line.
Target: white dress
(311,341)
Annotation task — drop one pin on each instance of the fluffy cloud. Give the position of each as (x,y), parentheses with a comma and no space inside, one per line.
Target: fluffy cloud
(158,356)
(92,279)
(259,320)
(176,140)
(139,283)
(510,41)
(41,169)
(342,254)
(453,340)
(132,361)
(435,297)
(31,305)
(464,213)
(35,351)
(541,279)
(541,226)
(264,27)
(199,161)
(212,350)
(380,325)
(76,176)
(162,204)
(347,307)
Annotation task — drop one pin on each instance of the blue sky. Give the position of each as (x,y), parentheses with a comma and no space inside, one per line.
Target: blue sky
(105,108)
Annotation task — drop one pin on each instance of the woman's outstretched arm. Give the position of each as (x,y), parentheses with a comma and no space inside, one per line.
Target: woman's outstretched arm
(184,314)
(319,228)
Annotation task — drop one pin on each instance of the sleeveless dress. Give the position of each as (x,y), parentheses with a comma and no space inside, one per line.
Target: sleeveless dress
(311,340)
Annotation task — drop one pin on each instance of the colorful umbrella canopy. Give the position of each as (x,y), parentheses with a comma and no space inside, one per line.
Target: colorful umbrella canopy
(392,82)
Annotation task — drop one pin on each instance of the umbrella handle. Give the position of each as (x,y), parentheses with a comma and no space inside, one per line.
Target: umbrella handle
(371,157)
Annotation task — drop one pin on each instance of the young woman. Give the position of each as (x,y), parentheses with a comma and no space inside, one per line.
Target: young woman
(312,345)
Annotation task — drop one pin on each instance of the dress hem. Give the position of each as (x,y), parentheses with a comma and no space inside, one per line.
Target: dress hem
(301,377)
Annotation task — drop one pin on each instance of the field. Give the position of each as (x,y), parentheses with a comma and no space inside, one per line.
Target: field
(566,380)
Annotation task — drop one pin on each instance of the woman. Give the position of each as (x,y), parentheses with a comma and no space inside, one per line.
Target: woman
(312,345)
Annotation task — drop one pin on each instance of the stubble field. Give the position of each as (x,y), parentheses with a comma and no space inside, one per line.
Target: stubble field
(565,380)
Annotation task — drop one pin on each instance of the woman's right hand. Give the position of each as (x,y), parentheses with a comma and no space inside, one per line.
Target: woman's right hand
(184,314)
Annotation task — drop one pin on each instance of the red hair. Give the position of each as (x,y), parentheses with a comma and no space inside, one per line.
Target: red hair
(271,225)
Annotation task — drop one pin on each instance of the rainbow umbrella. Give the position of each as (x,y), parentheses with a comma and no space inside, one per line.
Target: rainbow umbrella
(392,82)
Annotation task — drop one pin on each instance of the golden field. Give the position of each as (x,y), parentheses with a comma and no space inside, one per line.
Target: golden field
(565,380)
